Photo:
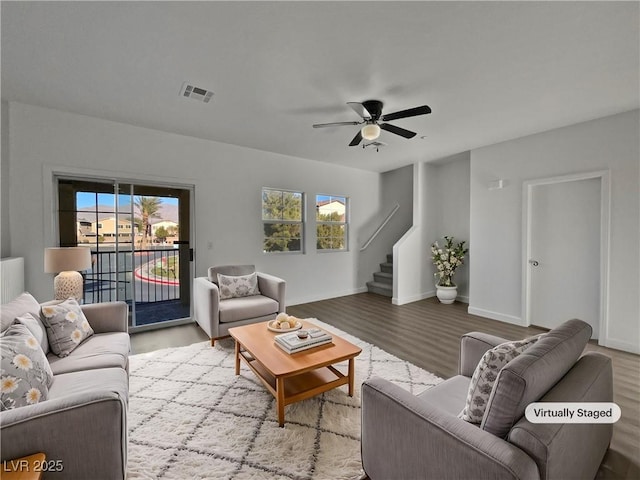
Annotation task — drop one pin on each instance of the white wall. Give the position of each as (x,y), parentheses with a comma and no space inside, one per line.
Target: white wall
(441,207)
(5,244)
(452,197)
(396,188)
(227,181)
(408,253)
(609,143)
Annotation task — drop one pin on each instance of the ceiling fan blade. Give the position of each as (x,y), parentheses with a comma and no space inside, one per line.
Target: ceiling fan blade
(397,130)
(334,124)
(411,112)
(360,110)
(356,140)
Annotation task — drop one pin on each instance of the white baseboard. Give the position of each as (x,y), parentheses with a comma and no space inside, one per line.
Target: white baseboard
(422,296)
(326,296)
(495,316)
(413,298)
(620,345)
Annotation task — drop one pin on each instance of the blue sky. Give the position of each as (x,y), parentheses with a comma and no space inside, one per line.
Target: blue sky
(88,199)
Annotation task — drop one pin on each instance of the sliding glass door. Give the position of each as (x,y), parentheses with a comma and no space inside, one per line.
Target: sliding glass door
(139,240)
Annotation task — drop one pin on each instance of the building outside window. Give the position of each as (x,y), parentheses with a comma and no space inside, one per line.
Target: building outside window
(331,222)
(283,220)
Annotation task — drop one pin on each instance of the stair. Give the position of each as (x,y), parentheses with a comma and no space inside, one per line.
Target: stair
(382,283)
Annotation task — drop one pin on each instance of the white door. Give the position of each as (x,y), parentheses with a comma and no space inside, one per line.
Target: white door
(564,250)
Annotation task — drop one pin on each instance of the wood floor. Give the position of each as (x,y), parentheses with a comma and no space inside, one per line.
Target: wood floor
(427,334)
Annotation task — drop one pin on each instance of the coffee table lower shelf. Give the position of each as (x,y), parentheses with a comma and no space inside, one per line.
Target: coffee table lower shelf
(297,387)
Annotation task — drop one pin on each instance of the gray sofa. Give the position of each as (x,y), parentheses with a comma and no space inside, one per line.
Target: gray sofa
(216,316)
(83,423)
(419,437)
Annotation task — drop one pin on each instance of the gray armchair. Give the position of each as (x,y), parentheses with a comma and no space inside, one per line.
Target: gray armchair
(416,437)
(216,316)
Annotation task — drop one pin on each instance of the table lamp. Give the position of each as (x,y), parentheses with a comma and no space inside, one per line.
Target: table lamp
(66,261)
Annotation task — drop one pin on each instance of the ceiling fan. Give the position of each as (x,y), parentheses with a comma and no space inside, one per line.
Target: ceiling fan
(371,113)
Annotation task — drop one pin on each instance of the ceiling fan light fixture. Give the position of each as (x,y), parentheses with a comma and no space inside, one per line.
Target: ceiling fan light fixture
(370,131)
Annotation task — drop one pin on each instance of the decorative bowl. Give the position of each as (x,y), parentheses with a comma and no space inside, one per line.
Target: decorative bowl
(271,326)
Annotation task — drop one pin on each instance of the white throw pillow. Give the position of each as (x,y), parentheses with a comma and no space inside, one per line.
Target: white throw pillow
(23,303)
(37,329)
(238,286)
(66,326)
(26,373)
(485,376)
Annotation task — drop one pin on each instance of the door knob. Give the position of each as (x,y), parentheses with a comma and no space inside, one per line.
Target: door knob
(534,263)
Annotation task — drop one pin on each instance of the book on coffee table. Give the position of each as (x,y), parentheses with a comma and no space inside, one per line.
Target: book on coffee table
(291,343)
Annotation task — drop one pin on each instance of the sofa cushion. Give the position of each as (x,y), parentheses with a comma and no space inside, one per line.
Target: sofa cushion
(37,329)
(66,326)
(529,376)
(244,308)
(485,375)
(229,270)
(566,450)
(449,396)
(23,303)
(101,350)
(237,286)
(88,381)
(26,374)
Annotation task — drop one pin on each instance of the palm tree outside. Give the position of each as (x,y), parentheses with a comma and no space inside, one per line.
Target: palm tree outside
(148,208)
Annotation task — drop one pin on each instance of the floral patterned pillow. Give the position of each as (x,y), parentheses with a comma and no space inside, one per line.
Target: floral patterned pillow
(238,286)
(66,326)
(26,375)
(486,374)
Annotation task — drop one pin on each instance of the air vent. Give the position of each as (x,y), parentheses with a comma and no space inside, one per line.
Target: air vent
(196,93)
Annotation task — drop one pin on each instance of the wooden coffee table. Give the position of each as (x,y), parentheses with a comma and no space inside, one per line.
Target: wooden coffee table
(293,377)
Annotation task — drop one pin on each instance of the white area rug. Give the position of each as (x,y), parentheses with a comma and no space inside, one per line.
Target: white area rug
(191,417)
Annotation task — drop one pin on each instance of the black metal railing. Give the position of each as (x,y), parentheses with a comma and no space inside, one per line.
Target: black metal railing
(152,275)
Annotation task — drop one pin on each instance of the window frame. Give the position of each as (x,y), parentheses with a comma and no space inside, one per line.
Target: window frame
(301,222)
(344,223)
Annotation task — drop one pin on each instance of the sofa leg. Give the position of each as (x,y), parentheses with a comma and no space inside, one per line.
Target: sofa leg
(213,341)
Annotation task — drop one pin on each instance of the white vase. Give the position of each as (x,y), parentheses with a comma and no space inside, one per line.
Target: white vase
(446,295)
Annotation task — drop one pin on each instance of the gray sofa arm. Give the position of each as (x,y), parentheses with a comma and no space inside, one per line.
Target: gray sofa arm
(405,438)
(206,301)
(273,287)
(473,346)
(107,317)
(97,450)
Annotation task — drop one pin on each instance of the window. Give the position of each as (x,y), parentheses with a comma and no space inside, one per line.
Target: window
(331,222)
(283,220)
(115,220)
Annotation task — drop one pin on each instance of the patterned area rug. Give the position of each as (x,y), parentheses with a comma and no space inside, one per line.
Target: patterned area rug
(191,417)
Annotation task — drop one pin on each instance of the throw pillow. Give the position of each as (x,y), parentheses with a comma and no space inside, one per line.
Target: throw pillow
(26,374)
(35,326)
(238,286)
(21,304)
(485,376)
(66,326)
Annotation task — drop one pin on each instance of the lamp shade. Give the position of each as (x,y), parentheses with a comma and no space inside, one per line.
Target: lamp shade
(370,131)
(65,259)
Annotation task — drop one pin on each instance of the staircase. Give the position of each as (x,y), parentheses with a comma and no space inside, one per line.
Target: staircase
(382,283)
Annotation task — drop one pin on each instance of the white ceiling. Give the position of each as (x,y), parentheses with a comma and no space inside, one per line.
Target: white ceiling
(490,71)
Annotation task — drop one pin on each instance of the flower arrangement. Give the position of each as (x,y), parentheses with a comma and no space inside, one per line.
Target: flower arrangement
(447,259)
